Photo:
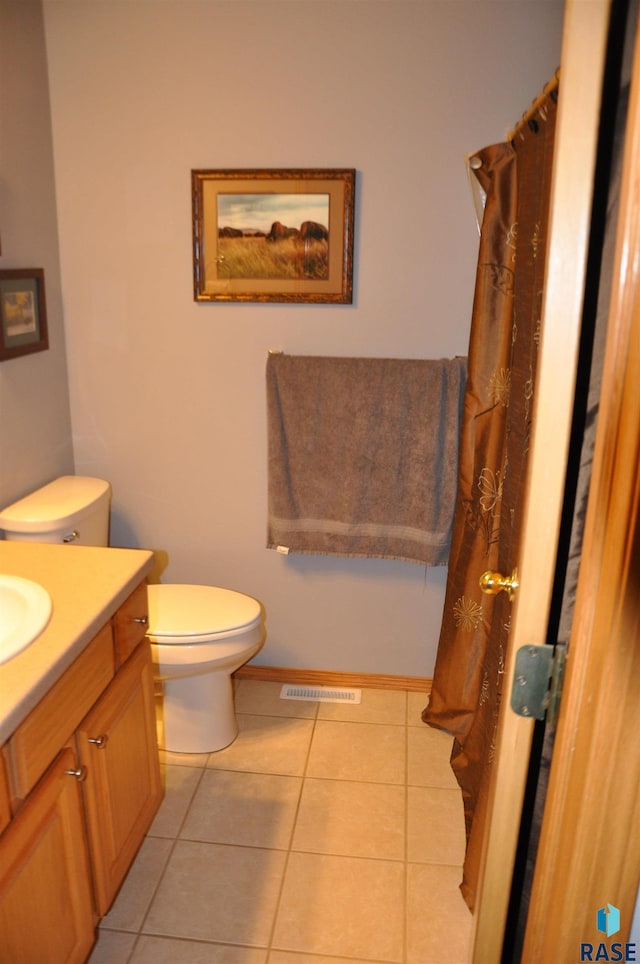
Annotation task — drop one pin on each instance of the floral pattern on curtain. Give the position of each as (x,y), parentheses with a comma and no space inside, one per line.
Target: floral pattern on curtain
(505,333)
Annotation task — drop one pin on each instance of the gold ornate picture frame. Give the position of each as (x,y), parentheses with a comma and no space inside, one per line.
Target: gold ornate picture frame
(273,235)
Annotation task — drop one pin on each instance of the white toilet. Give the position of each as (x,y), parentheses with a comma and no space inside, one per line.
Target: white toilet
(199,634)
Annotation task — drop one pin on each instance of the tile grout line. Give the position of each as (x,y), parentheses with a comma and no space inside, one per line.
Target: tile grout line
(274,922)
(176,838)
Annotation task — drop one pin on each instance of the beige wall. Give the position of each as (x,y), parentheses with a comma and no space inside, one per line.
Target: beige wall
(167,397)
(35,423)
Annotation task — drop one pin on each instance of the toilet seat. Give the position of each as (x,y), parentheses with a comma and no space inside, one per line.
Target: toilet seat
(183,614)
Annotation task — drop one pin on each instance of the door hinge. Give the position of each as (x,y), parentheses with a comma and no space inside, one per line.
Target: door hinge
(537,681)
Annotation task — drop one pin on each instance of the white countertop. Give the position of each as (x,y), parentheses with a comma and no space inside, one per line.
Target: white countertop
(87,585)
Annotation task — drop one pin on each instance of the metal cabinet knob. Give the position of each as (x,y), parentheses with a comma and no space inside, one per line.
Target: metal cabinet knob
(80,774)
(99,741)
(143,620)
(492,583)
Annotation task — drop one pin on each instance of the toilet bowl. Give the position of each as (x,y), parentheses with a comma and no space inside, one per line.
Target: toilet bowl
(199,635)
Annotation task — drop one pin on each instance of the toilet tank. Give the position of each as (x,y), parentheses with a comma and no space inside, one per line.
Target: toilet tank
(73,509)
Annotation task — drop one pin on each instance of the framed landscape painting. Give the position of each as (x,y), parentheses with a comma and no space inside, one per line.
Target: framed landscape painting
(23,312)
(273,235)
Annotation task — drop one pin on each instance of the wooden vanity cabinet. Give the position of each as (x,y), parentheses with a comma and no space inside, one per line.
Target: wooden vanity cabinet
(46,909)
(122,790)
(77,822)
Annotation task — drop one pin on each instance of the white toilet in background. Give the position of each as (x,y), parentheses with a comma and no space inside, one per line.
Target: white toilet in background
(199,634)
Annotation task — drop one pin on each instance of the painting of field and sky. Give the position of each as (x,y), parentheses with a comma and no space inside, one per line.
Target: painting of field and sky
(268,236)
(282,235)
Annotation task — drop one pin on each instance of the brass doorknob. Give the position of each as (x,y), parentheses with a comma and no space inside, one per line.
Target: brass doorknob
(492,583)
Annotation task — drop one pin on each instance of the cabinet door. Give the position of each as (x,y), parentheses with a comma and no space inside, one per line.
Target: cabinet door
(5,800)
(46,911)
(117,744)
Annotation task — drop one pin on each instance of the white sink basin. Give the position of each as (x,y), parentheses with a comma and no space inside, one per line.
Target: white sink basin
(25,609)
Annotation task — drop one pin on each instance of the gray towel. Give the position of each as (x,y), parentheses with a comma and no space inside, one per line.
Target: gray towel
(363,455)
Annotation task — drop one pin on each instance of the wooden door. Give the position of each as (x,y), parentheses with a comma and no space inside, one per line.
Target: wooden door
(46,910)
(589,852)
(583,60)
(117,744)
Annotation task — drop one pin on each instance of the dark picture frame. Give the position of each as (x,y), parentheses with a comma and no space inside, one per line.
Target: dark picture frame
(273,235)
(23,312)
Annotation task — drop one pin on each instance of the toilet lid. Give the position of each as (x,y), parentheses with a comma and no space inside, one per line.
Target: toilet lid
(185,610)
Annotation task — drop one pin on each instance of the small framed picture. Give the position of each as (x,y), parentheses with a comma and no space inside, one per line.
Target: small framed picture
(273,235)
(23,312)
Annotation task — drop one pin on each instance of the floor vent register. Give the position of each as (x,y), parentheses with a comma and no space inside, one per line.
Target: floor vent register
(321,694)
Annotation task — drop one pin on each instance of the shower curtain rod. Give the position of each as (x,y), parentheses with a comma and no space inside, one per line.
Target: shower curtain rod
(529,115)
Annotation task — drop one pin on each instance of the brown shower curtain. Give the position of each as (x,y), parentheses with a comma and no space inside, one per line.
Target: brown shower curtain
(503,348)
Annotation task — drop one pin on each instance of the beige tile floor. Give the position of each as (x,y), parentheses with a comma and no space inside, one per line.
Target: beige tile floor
(325,834)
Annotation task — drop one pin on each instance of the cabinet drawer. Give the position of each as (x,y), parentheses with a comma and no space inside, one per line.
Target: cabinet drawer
(49,726)
(130,623)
